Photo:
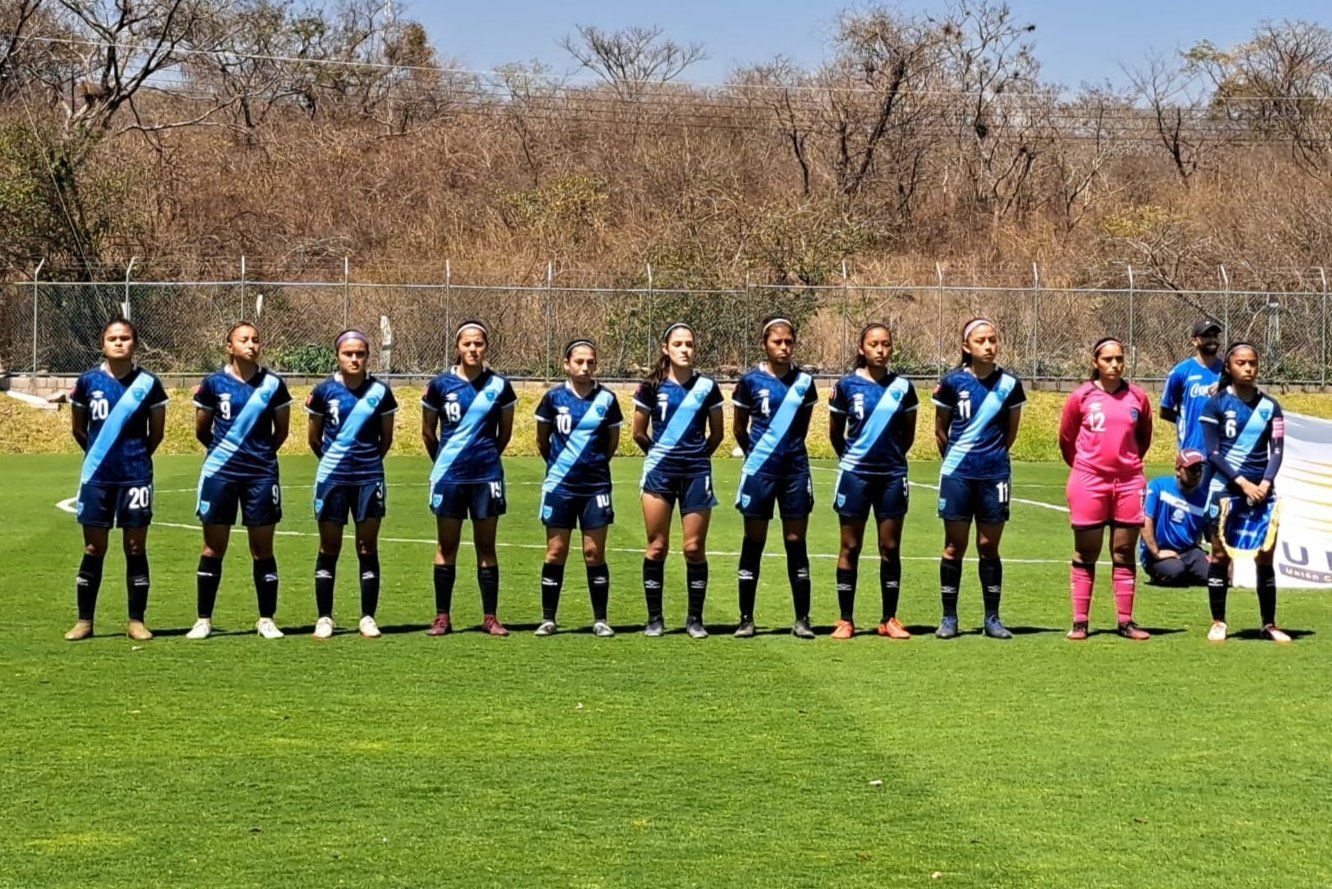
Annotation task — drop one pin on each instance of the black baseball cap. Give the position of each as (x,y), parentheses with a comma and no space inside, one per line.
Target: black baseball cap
(1203,327)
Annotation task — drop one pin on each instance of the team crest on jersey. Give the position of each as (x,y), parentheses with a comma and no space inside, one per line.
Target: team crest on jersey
(436,500)
(547,512)
(1177,515)
(1133,414)
(841,500)
(744,500)
(319,504)
(204,506)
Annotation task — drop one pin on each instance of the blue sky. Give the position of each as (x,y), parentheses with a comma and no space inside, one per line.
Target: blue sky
(1076,42)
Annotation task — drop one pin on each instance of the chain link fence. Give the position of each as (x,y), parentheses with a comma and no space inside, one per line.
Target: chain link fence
(1046,333)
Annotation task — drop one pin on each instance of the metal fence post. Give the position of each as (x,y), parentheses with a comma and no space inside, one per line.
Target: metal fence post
(1132,341)
(1035,321)
(125,305)
(38,271)
(938,330)
(1322,330)
(651,312)
(1225,302)
(846,310)
(244,306)
(448,302)
(550,317)
(346,291)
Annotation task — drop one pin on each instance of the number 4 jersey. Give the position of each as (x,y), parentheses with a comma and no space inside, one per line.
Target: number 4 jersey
(118,411)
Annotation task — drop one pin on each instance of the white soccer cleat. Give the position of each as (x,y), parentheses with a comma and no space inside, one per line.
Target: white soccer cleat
(202,629)
(266,628)
(370,629)
(324,628)
(546,628)
(602,629)
(1276,634)
(1218,631)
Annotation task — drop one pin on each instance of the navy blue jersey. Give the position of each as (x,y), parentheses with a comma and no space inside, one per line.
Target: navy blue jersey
(679,438)
(779,411)
(243,410)
(579,461)
(467,414)
(979,424)
(352,429)
(1178,519)
(1248,435)
(877,414)
(118,412)
(1186,391)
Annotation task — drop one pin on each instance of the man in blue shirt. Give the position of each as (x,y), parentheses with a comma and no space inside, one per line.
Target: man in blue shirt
(1190,384)
(1176,516)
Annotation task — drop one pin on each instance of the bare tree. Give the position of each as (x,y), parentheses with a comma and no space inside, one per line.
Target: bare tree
(16,23)
(631,60)
(784,91)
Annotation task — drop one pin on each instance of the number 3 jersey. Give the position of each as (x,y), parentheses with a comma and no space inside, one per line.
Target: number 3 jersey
(243,410)
(469,410)
(1106,433)
(579,460)
(353,429)
(978,426)
(118,411)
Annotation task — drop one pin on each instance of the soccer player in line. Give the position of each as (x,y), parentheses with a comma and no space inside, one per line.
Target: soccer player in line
(242,414)
(773,403)
(1175,516)
(1104,433)
(118,417)
(684,411)
(872,426)
(578,432)
(1244,431)
(350,431)
(979,407)
(1190,383)
(466,423)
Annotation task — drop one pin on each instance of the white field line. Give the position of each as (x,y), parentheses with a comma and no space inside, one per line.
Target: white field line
(868,556)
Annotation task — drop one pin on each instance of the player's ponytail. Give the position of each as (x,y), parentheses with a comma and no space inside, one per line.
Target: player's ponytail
(864,332)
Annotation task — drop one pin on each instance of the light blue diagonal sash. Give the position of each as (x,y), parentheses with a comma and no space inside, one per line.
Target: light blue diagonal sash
(467,429)
(578,440)
(351,427)
(241,427)
(987,411)
(114,424)
(679,425)
(778,426)
(1249,435)
(889,403)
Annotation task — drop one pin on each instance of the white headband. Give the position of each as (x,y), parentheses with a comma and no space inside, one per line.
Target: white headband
(775,322)
(973,324)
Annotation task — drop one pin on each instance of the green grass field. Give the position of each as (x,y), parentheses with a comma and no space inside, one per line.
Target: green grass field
(411,761)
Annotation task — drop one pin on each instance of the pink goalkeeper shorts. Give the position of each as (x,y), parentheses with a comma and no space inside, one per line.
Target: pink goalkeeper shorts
(1094,500)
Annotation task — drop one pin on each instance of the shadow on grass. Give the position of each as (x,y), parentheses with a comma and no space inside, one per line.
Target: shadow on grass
(1253,634)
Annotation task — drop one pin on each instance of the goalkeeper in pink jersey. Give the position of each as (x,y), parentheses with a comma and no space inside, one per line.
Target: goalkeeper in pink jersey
(1104,432)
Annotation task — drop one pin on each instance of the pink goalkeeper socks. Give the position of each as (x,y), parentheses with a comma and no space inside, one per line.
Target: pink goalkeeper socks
(1126,583)
(1081,577)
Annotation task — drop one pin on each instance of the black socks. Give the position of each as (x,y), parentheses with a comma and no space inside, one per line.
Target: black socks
(445,575)
(369,564)
(751,555)
(654,576)
(992,584)
(890,583)
(797,572)
(598,588)
(696,574)
(552,579)
(488,579)
(846,593)
(326,572)
(207,579)
(950,580)
(1218,585)
(1266,593)
(87,584)
(136,583)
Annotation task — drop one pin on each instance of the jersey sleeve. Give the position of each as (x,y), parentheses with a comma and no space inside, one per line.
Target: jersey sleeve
(433,398)
(205,399)
(1173,393)
(508,398)
(714,400)
(1070,420)
(316,402)
(910,401)
(645,396)
(740,397)
(388,404)
(945,394)
(811,396)
(1211,411)
(545,411)
(1017,397)
(282,397)
(157,396)
(78,396)
(613,415)
(836,398)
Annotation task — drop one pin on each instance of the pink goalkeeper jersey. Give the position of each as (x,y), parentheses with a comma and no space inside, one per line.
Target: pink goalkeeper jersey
(1106,433)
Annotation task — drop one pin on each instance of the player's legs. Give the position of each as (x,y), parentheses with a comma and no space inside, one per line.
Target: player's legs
(957,535)
(657,514)
(88,582)
(448,536)
(326,572)
(367,555)
(890,576)
(598,578)
(1123,546)
(552,576)
(135,543)
(694,527)
(484,532)
(1267,593)
(747,575)
(1087,546)
(991,570)
(1218,585)
(264,564)
(795,532)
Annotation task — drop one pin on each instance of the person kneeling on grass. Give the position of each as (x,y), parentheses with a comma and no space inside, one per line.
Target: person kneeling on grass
(1176,516)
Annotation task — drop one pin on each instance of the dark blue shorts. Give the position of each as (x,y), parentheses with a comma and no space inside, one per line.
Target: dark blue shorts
(983,499)
(561,509)
(692,492)
(260,501)
(794,497)
(363,501)
(115,506)
(458,500)
(856,494)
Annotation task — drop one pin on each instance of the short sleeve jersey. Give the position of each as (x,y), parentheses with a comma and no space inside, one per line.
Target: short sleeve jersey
(763,396)
(118,439)
(579,436)
(683,447)
(451,396)
(243,413)
(1105,430)
(858,398)
(1187,388)
(1178,519)
(978,426)
(361,463)
(1245,430)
